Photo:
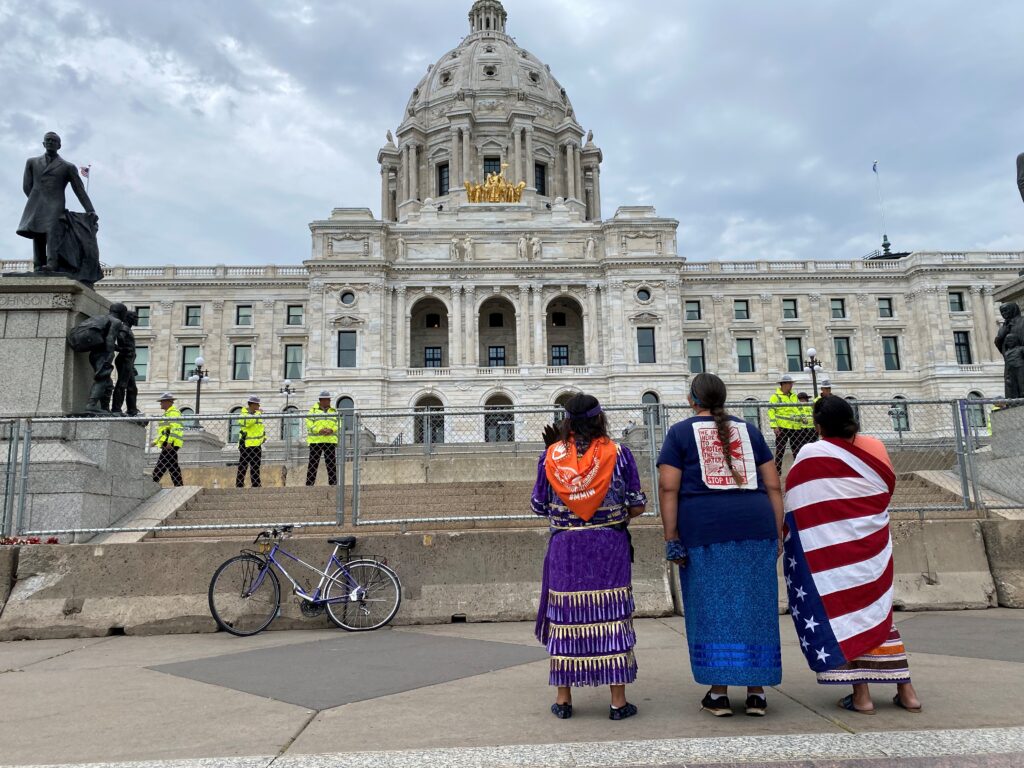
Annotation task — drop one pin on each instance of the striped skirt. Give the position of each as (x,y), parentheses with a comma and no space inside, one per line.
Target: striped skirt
(586,608)
(885,664)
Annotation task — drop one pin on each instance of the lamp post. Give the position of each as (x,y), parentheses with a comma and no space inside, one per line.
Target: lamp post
(813,366)
(287,391)
(199,375)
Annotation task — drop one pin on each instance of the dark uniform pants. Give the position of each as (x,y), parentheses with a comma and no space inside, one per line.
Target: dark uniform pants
(249,458)
(790,437)
(328,451)
(168,463)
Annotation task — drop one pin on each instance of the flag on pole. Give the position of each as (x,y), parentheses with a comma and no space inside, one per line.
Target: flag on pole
(85,170)
(874,167)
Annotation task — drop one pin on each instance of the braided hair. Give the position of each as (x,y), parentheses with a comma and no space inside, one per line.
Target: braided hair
(708,391)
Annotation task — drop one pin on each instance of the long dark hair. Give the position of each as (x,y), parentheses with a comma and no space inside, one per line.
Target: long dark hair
(586,429)
(708,391)
(834,416)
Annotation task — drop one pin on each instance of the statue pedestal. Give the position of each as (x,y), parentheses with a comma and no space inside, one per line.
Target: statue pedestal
(40,375)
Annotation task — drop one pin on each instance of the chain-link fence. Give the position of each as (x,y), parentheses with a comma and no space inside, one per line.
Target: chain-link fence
(428,467)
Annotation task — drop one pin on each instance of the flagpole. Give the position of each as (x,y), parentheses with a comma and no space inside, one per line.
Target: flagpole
(881,204)
(88,176)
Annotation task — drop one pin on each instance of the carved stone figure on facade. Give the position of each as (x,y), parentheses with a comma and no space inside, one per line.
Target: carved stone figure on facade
(521,248)
(454,249)
(63,242)
(590,248)
(390,137)
(125,390)
(401,247)
(536,247)
(1010,343)
(98,336)
(468,248)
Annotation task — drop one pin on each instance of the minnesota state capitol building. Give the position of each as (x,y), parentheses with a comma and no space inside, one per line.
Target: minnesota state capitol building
(463,293)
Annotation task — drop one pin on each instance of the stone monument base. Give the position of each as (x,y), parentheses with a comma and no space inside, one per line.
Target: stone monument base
(1001,470)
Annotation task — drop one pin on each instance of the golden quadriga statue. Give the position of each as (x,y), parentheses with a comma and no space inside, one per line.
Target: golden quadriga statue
(497,189)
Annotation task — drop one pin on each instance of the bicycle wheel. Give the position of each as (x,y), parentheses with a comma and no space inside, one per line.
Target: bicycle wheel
(244,595)
(370,595)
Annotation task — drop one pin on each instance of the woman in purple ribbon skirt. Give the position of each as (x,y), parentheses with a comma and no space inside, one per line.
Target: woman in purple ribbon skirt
(588,487)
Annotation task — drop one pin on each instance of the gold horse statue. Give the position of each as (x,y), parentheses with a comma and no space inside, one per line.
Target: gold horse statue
(496,189)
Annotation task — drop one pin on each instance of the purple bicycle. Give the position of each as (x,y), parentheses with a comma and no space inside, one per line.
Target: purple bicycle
(358,595)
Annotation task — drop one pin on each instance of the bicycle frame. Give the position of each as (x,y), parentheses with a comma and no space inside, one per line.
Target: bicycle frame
(324,576)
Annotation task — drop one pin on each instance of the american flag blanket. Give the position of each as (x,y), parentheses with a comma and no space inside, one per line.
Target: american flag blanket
(838,553)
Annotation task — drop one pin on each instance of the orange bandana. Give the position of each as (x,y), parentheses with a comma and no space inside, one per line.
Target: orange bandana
(581,482)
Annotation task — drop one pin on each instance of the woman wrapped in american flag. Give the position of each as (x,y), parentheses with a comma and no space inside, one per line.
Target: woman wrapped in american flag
(838,560)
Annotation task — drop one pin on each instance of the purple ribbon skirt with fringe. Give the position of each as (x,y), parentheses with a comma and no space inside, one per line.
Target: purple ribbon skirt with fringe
(586,608)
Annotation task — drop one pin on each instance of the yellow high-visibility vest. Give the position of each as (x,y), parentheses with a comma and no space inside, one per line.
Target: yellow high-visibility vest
(785,416)
(318,419)
(170,432)
(251,429)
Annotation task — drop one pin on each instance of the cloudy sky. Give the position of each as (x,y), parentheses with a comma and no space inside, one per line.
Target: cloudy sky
(217,130)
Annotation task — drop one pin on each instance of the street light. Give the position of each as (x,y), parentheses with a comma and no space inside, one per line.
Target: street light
(287,391)
(813,366)
(199,375)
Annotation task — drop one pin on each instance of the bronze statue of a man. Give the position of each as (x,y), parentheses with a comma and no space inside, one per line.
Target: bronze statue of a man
(1010,343)
(46,178)
(1020,174)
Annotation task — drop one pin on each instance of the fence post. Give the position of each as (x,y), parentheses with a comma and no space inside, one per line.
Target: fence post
(10,477)
(972,470)
(962,449)
(26,449)
(652,456)
(427,427)
(356,429)
(339,459)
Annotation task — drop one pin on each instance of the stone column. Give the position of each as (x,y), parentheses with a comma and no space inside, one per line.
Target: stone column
(467,160)
(455,167)
(517,154)
(578,170)
(472,353)
(539,357)
(414,173)
(401,329)
(530,162)
(570,173)
(979,313)
(596,197)
(385,172)
(592,344)
(455,328)
(523,326)
(403,175)
(675,331)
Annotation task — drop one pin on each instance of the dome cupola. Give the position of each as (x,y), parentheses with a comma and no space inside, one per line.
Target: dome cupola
(487,16)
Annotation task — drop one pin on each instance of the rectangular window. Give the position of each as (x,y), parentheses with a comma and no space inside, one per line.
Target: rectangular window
(143,315)
(794,355)
(962,342)
(695,355)
(558,319)
(741,309)
(188,361)
(838,309)
(193,315)
(293,359)
(745,355)
(241,362)
(296,315)
(790,309)
(346,349)
(559,354)
(891,352)
(692,309)
(540,179)
(495,357)
(645,345)
(243,314)
(496,320)
(491,165)
(885,307)
(844,358)
(141,363)
(442,179)
(432,357)
(956,301)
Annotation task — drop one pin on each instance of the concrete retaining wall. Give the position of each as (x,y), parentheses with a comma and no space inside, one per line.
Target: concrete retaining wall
(157,587)
(1004,540)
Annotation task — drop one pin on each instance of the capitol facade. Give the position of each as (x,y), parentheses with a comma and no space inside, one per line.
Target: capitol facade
(520,292)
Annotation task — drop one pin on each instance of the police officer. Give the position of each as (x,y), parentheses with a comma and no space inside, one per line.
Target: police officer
(251,437)
(169,438)
(826,389)
(807,431)
(784,419)
(322,437)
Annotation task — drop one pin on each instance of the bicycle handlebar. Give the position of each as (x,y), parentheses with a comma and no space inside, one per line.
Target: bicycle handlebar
(273,533)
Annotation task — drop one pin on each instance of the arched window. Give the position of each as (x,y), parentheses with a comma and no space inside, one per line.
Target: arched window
(976,415)
(499,423)
(856,408)
(751,412)
(899,412)
(431,424)
(186,422)
(234,429)
(291,424)
(651,398)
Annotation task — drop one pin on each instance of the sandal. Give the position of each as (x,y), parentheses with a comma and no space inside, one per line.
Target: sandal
(847,703)
(626,710)
(562,711)
(719,707)
(899,703)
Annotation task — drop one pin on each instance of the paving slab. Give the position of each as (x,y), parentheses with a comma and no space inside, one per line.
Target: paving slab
(18,654)
(999,636)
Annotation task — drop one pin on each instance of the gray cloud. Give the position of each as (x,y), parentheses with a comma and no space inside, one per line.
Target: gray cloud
(217,131)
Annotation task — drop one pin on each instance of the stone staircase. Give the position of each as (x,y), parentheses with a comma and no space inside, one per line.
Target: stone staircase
(421,506)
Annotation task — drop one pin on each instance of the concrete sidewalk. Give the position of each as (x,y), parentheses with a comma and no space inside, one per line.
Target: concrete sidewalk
(478,693)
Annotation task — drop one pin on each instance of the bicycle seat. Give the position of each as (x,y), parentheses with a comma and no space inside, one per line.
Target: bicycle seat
(345,542)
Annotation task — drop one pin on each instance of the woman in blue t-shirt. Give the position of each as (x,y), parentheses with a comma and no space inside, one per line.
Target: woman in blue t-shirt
(722,513)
